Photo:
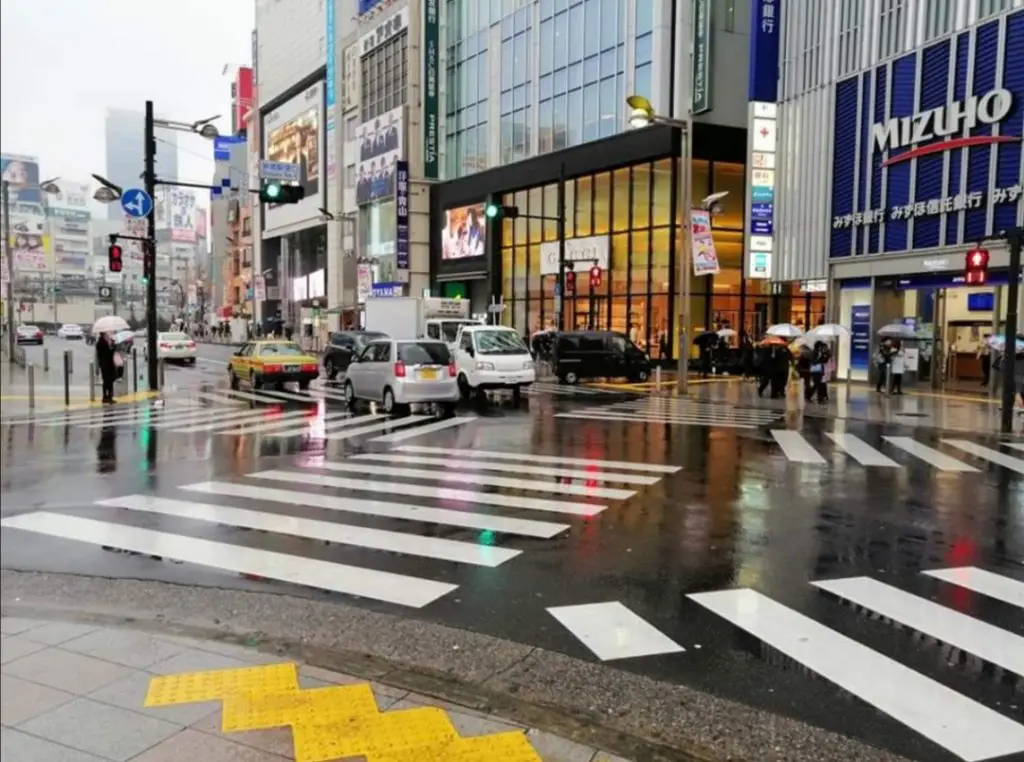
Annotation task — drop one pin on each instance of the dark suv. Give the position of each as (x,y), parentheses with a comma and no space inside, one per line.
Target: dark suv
(343,346)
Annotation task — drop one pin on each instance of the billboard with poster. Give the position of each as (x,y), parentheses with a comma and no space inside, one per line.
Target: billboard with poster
(181,207)
(381,146)
(293,133)
(465,233)
(21,173)
(29,244)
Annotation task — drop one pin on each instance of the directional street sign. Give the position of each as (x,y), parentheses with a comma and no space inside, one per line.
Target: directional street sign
(136,202)
(279,170)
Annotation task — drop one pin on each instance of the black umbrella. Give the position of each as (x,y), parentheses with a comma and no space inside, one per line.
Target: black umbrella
(708,338)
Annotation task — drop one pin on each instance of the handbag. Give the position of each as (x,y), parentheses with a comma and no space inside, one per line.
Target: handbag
(816,368)
(118,360)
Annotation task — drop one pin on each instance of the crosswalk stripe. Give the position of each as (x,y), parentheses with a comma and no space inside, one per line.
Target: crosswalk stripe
(319,427)
(294,397)
(666,405)
(1014,445)
(162,415)
(436,493)
(482,480)
(344,534)
(217,425)
(984,582)
(108,415)
(390,423)
(611,631)
(401,436)
(930,455)
(861,451)
(986,453)
(328,394)
(324,575)
(382,509)
(963,727)
(223,399)
(554,459)
(795,447)
(510,468)
(993,644)
(648,419)
(262,427)
(233,414)
(260,397)
(689,413)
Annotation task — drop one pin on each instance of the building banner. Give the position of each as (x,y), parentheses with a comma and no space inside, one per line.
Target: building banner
(431,43)
(21,173)
(402,215)
(760,203)
(182,215)
(701,56)
(860,336)
(705,258)
(381,147)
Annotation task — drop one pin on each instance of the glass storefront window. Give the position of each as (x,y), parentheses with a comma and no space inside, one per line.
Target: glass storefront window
(584,206)
(662,211)
(621,199)
(731,178)
(602,203)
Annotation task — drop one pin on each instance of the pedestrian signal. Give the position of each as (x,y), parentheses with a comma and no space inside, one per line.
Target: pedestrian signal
(114,261)
(595,277)
(976,271)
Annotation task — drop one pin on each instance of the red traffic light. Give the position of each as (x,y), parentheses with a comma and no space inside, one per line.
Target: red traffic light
(977,266)
(114,260)
(570,281)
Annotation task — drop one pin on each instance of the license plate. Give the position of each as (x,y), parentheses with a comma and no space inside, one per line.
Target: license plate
(291,368)
(428,374)
(179,346)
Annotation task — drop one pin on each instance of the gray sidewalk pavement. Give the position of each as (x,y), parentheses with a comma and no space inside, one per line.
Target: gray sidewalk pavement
(75,692)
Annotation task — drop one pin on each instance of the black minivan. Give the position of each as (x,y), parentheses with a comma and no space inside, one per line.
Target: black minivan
(598,354)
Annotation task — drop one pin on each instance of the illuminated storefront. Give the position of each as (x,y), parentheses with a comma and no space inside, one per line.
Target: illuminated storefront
(620,196)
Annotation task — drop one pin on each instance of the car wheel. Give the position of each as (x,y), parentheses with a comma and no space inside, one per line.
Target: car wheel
(254,380)
(329,370)
(642,375)
(350,394)
(571,378)
(447,409)
(389,401)
(517,395)
(191,361)
(464,388)
(233,380)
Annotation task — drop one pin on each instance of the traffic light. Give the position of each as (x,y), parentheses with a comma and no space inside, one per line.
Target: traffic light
(274,192)
(976,271)
(493,210)
(570,282)
(114,261)
(595,277)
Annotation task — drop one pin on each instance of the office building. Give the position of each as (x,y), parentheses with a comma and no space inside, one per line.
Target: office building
(124,134)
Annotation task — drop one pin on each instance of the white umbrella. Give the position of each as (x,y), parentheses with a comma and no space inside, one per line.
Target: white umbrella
(110,324)
(828,331)
(727,333)
(785,331)
(897,331)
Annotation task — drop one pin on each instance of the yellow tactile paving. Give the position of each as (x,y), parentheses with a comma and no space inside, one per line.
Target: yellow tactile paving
(336,722)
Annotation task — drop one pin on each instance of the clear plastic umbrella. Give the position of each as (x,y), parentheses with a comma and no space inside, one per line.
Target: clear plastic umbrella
(785,331)
(828,331)
(110,324)
(727,333)
(897,331)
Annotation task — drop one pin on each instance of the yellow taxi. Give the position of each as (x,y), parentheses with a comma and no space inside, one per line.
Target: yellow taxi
(272,362)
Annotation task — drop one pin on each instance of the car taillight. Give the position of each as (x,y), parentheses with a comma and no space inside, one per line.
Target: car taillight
(399,370)
(310,368)
(451,370)
(165,346)
(271,368)
(191,345)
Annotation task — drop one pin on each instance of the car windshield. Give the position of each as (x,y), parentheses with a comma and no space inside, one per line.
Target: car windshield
(450,328)
(499,342)
(424,353)
(280,348)
(72,327)
(174,337)
(362,339)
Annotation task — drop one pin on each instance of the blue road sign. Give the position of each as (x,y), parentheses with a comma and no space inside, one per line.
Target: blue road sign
(136,202)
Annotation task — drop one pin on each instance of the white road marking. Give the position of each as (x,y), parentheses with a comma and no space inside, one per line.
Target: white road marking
(796,448)
(344,534)
(954,722)
(986,453)
(482,480)
(647,419)
(163,416)
(419,431)
(992,644)
(290,417)
(612,631)
(1014,445)
(553,459)
(313,428)
(985,582)
(395,423)
(238,416)
(861,451)
(278,424)
(930,455)
(434,493)
(387,510)
(400,589)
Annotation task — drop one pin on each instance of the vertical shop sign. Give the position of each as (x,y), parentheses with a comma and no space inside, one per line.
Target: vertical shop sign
(701,56)
(431,42)
(331,87)
(860,336)
(760,202)
(402,215)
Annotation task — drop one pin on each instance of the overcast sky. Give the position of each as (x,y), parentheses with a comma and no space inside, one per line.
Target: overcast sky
(64,62)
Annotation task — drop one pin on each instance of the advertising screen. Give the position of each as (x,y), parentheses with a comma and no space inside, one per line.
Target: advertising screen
(465,233)
(293,133)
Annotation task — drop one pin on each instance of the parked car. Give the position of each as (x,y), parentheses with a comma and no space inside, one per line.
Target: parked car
(492,357)
(598,354)
(342,346)
(398,374)
(272,362)
(29,334)
(70,331)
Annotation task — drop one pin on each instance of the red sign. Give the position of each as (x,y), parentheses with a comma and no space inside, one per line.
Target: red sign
(976,270)
(243,99)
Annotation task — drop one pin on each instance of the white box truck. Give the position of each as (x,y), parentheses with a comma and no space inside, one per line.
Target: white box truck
(418,317)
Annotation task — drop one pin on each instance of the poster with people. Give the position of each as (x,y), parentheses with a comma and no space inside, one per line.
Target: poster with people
(380,148)
(465,233)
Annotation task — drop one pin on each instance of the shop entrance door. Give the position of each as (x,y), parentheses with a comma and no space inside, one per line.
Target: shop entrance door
(592,314)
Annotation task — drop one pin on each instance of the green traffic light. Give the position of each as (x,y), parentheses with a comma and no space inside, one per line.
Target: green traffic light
(273,190)
(491,211)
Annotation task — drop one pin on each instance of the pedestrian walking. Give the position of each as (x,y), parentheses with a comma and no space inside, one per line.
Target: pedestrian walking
(897,367)
(985,356)
(882,364)
(817,389)
(105,354)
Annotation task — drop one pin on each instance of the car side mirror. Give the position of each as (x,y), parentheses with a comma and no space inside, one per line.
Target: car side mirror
(470,351)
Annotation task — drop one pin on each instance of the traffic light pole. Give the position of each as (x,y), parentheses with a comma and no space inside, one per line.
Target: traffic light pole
(149,178)
(1014,238)
(560,213)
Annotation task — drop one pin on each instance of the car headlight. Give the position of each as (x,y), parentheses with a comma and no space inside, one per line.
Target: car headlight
(528,365)
(485,366)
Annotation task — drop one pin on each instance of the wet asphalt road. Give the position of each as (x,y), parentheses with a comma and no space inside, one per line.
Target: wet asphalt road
(741,512)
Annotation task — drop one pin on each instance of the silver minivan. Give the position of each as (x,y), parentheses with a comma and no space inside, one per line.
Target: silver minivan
(398,374)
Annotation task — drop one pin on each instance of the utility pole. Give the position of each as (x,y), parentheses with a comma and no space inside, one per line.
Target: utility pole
(1014,237)
(149,249)
(12,343)
(561,248)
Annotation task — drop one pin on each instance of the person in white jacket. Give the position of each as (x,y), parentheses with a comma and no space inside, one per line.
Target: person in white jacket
(898,367)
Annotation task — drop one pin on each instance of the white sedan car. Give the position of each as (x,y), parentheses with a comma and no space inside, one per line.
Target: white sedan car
(70,331)
(178,347)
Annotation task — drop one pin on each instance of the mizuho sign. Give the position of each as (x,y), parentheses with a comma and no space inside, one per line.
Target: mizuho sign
(944,122)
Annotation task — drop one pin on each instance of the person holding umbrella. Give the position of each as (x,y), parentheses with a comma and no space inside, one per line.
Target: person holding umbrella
(105,353)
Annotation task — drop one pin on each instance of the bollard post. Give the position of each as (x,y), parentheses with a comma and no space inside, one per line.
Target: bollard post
(46,359)
(657,379)
(92,382)
(67,377)
(162,364)
(135,370)
(31,386)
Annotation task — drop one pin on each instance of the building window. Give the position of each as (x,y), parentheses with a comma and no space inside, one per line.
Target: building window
(892,28)
(729,14)
(385,73)
(850,12)
(988,8)
(938,18)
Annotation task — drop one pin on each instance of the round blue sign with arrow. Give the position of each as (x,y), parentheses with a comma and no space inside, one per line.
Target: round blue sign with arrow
(136,202)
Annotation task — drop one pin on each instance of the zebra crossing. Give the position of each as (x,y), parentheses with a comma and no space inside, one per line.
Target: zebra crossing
(678,412)
(967,728)
(540,495)
(795,448)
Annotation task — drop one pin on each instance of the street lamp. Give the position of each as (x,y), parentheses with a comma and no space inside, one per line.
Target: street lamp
(642,115)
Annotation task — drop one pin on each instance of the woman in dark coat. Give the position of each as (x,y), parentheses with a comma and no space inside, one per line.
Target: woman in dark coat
(105,362)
